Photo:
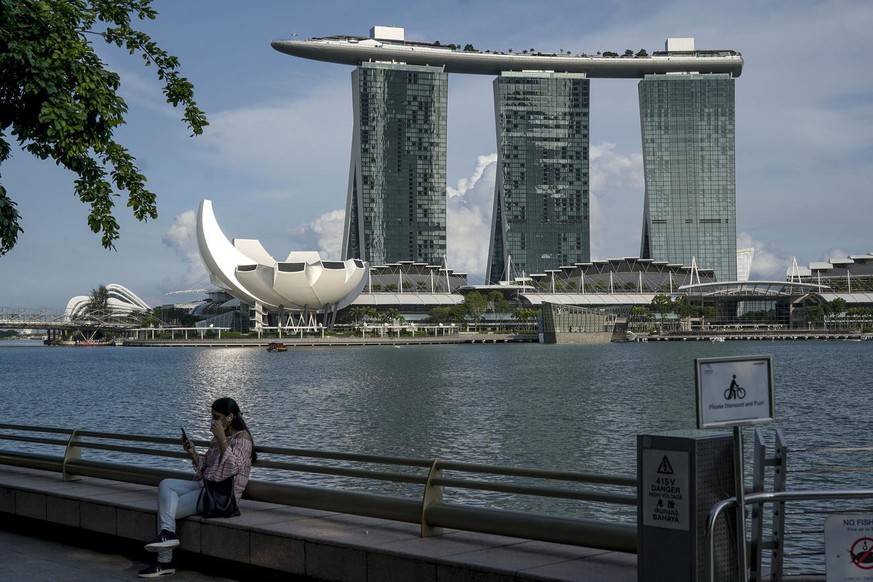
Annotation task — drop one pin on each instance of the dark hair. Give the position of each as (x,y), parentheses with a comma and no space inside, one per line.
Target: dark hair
(227,406)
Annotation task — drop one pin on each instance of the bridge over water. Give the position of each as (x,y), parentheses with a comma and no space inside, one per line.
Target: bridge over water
(56,323)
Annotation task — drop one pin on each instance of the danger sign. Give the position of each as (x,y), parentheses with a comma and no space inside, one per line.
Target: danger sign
(849,547)
(665,489)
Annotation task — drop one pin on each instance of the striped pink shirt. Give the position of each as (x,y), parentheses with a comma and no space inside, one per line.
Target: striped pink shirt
(236,461)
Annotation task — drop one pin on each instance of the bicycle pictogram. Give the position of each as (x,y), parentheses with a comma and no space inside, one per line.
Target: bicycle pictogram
(734,390)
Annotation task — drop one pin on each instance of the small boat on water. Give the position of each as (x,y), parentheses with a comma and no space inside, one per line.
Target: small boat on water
(277,347)
(93,343)
(716,339)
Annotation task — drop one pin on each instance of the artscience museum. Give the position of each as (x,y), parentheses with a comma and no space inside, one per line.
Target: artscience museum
(291,292)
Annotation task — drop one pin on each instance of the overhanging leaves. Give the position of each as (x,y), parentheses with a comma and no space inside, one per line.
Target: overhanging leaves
(58,100)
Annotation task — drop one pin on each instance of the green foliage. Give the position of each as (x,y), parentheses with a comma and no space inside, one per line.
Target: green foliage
(392,315)
(684,308)
(98,301)
(859,311)
(453,314)
(837,306)
(525,314)
(361,313)
(815,312)
(476,305)
(497,302)
(662,303)
(640,312)
(59,101)
(469,48)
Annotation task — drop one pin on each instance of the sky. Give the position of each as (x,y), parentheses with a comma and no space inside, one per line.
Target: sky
(275,158)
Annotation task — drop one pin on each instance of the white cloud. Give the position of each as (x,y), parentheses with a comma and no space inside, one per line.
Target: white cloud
(612,175)
(835,254)
(182,238)
(768,264)
(468,219)
(302,144)
(324,234)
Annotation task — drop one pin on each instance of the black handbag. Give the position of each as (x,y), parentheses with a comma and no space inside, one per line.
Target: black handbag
(217,499)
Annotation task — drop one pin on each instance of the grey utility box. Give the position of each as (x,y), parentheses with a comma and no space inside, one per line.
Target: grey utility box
(682,474)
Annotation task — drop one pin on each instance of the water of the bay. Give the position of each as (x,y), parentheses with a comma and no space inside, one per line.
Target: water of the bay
(563,407)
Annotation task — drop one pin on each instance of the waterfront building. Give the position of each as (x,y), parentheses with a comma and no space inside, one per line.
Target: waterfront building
(540,219)
(688,133)
(120,302)
(567,324)
(396,207)
(852,274)
(294,289)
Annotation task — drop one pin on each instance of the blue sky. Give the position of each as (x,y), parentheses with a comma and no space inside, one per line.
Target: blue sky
(275,158)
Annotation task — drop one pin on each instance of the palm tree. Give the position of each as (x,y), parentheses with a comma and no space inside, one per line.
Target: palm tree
(98,302)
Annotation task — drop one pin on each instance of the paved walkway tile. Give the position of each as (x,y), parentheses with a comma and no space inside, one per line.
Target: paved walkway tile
(39,560)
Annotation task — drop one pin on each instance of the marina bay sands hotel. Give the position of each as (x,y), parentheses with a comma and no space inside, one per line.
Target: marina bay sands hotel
(396,207)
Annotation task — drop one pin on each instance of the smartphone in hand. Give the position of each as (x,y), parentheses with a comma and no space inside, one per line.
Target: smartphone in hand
(184,437)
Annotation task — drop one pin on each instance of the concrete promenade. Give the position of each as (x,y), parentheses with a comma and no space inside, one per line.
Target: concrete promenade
(268,541)
(32,557)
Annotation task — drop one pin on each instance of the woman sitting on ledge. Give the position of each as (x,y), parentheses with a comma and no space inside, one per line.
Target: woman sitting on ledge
(230,454)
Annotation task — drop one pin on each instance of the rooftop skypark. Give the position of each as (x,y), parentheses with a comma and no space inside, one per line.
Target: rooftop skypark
(387,44)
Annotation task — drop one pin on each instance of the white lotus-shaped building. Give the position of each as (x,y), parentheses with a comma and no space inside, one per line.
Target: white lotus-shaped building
(302,283)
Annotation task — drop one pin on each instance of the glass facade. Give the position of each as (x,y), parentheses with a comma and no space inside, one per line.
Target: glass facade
(396,208)
(688,135)
(541,216)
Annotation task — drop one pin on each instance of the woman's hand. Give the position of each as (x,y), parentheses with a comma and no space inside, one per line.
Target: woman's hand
(191,450)
(217,428)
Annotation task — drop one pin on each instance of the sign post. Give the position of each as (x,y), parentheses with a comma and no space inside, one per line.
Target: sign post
(734,391)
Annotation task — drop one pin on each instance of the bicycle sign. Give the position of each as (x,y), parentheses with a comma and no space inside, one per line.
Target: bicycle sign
(734,390)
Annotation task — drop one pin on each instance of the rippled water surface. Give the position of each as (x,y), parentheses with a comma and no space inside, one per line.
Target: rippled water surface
(571,407)
(576,408)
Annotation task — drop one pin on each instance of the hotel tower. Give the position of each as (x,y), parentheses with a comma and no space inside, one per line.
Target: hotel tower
(688,133)
(396,206)
(540,216)
(396,199)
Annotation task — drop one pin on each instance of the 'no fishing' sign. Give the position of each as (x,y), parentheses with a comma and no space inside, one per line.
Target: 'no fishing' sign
(849,547)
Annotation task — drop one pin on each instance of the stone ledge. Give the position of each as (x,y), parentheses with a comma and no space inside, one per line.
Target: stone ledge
(319,544)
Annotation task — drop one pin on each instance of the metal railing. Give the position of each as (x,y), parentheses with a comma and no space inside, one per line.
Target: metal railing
(434,493)
(779,538)
(769,497)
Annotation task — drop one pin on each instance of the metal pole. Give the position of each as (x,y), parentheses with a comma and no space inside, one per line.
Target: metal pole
(742,571)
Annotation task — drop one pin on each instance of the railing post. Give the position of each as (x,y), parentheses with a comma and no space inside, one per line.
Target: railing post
(432,494)
(780,461)
(73,452)
(757,534)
